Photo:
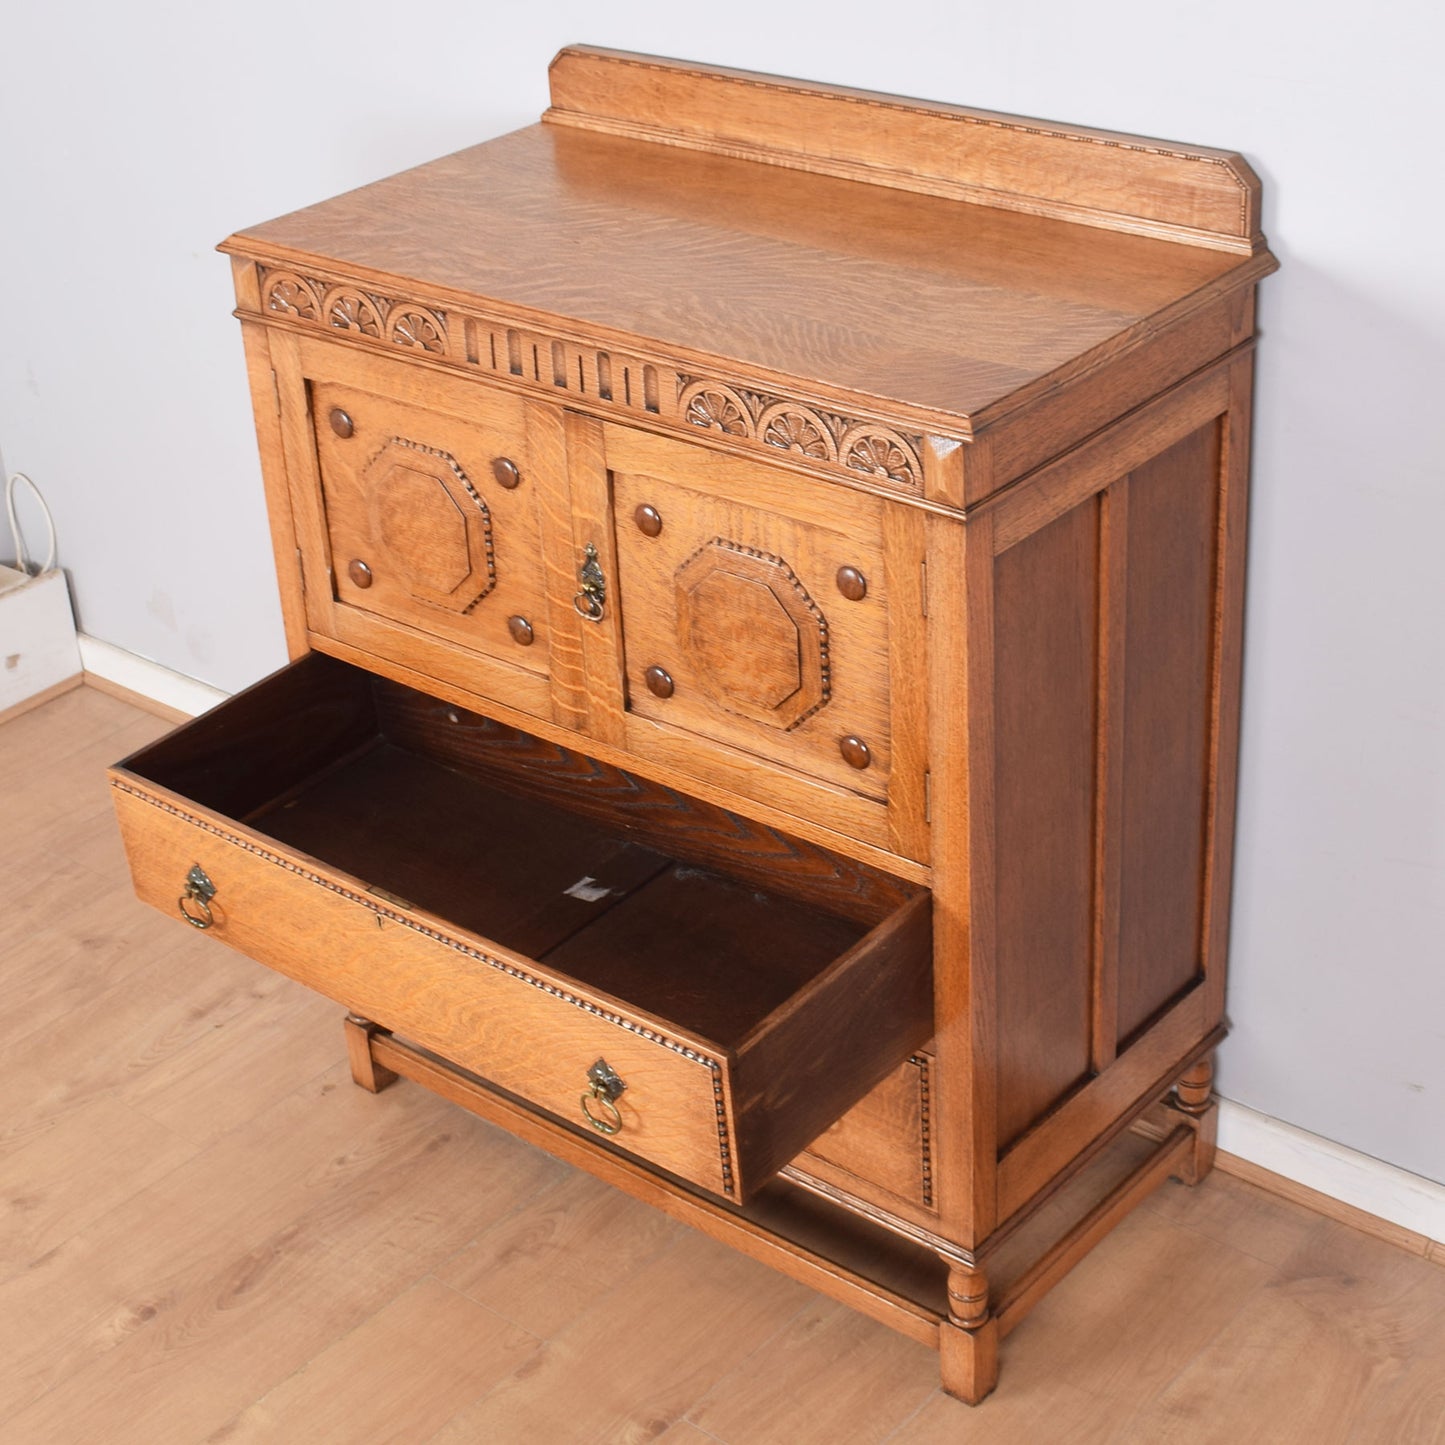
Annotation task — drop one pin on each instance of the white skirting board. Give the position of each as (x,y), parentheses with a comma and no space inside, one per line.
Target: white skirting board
(1320,1164)
(1356,1179)
(149,679)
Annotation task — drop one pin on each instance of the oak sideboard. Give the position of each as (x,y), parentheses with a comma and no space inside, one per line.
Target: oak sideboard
(763,569)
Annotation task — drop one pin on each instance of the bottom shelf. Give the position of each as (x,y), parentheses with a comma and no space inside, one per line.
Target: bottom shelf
(893,1273)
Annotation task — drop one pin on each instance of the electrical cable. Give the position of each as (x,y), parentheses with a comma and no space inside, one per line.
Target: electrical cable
(21,560)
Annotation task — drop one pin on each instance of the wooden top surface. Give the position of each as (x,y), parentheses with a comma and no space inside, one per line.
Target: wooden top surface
(886,293)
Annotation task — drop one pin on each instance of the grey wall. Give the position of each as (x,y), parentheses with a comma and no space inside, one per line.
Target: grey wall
(136,136)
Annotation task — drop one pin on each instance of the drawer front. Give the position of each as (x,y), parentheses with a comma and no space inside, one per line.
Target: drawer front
(881,1150)
(492,1012)
(755,610)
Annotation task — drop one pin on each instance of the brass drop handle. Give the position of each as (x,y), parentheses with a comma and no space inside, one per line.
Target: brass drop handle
(195,902)
(605,1088)
(590,601)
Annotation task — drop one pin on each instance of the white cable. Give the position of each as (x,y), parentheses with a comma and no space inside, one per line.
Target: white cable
(21,561)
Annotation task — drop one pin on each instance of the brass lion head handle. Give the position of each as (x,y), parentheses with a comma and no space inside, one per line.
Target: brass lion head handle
(195,902)
(592,598)
(605,1088)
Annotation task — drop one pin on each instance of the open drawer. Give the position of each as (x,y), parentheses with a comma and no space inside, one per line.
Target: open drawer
(669,978)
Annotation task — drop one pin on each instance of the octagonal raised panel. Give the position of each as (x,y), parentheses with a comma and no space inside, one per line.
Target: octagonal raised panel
(434,530)
(755,641)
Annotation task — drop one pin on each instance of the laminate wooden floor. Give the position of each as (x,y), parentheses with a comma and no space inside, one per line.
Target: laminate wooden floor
(210,1235)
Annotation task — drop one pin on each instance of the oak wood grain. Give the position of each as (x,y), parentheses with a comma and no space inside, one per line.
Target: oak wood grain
(1173,504)
(489,1009)
(465,887)
(796,806)
(961,733)
(737,599)
(1109,772)
(1045,633)
(871,1007)
(1210,197)
(1227,675)
(1139,1074)
(266,409)
(532,226)
(663,817)
(882,1148)
(1130,442)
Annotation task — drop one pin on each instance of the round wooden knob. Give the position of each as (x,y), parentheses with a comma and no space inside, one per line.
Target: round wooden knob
(852,584)
(504,469)
(521,631)
(341,423)
(855,751)
(648,519)
(659,681)
(359,572)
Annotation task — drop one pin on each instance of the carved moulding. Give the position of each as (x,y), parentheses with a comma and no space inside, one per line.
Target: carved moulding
(288,294)
(886,456)
(347,308)
(730,410)
(784,673)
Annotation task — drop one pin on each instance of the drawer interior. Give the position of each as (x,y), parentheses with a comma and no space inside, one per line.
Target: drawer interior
(681,909)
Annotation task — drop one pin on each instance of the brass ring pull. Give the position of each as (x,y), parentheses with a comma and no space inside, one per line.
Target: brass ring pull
(603,1126)
(195,902)
(605,1088)
(592,599)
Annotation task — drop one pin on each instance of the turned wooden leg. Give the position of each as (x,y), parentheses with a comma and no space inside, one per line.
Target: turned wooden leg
(1194,1098)
(968,1342)
(372,1077)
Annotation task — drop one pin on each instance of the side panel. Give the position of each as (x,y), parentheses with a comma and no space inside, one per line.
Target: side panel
(1105,662)
(1045,629)
(1173,502)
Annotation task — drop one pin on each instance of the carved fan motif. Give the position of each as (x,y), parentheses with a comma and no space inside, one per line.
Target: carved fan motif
(433,529)
(419,329)
(792,429)
(717,408)
(881,454)
(290,296)
(351,311)
(755,640)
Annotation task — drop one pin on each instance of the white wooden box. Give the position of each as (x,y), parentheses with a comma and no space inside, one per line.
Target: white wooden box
(37,636)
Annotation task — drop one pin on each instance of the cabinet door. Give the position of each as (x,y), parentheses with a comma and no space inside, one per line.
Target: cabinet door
(757,613)
(425,511)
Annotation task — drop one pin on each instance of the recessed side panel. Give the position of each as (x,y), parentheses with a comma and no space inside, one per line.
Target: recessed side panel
(1045,649)
(1173,502)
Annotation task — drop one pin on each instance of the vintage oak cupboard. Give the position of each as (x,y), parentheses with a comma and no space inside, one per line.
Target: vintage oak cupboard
(763,568)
